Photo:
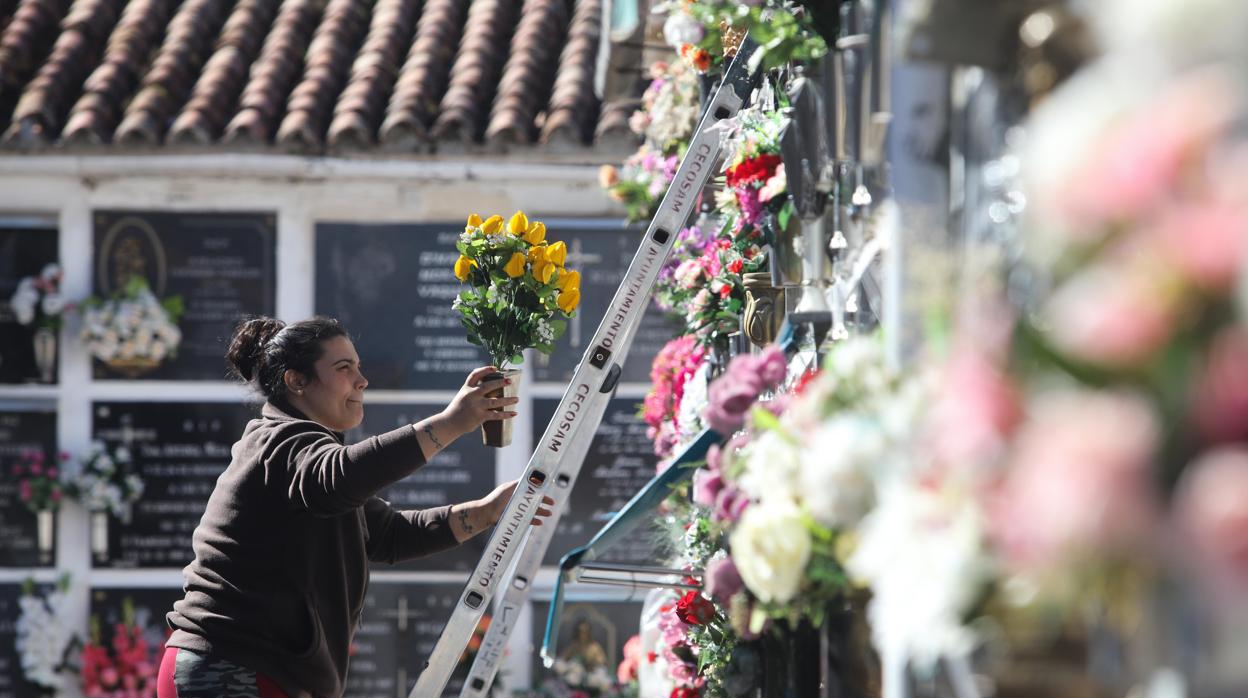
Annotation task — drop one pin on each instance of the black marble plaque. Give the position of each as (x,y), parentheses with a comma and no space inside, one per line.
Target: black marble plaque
(221,264)
(147,607)
(462,472)
(22,431)
(398,630)
(13,683)
(601,252)
(179,449)
(619,463)
(24,251)
(588,629)
(392,287)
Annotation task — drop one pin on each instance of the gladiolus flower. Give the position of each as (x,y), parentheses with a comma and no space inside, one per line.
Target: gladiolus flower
(544,272)
(474,221)
(569,299)
(463,265)
(492,225)
(536,234)
(569,280)
(519,223)
(515,265)
(558,253)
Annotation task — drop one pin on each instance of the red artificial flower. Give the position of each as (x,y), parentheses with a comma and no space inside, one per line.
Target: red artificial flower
(684,693)
(651,657)
(723,243)
(755,169)
(736,265)
(725,291)
(701,60)
(805,380)
(695,609)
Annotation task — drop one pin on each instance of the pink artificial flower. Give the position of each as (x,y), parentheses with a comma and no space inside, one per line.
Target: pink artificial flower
(775,186)
(36,468)
(751,206)
(1207,241)
(109,677)
(706,486)
(1140,162)
(1219,403)
(1211,507)
(56,495)
(723,581)
(1080,477)
(974,411)
(52,472)
(1112,315)
(772,366)
(25,491)
(730,504)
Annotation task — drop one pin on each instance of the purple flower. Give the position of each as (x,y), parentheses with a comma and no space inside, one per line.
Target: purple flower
(751,207)
(722,580)
(706,485)
(730,503)
(771,366)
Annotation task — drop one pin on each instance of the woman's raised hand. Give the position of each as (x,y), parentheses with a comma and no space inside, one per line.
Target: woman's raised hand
(471,408)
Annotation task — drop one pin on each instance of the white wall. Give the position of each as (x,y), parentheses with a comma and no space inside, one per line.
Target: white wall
(66,189)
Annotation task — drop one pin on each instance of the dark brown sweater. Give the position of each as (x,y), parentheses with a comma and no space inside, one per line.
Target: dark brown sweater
(282,551)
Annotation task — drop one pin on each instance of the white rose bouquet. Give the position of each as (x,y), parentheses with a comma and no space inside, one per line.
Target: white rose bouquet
(105,481)
(38,299)
(132,331)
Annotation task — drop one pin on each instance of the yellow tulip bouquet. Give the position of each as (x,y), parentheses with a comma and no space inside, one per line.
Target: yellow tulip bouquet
(518,286)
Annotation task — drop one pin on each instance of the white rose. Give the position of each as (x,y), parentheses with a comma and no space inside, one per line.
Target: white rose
(126,350)
(53,304)
(50,271)
(157,350)
(771,546)
(835,480)
(24,310)
(773,466)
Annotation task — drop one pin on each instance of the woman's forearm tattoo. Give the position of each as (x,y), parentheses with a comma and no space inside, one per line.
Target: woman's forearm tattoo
(464,522)
(434,439)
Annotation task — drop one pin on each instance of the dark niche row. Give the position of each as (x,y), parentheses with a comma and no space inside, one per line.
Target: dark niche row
(390,284)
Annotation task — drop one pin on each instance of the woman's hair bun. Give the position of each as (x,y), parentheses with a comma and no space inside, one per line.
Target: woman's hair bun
(246,354)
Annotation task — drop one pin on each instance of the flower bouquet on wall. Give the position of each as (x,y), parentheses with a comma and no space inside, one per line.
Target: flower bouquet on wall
(519,294)
(38,301)
(43,640)
(132,332)
(39,488)
(124,668)
(104,482)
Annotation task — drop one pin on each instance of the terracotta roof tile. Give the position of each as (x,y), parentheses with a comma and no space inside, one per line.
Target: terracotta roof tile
(475,74)
(303,75)
(26,41)
(573,102)
(172,72)
(95,115)
(274,73)
(526,83)
(45,102)
(215,94)
(359,110)
(423,78)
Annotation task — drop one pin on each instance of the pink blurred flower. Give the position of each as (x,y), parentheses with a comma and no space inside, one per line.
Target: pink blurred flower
(25,491)
(1211,507)
(1115,315)
(975,410)
(723,581)
(730,503)
(1219,402)
(706,486)
(1140,162)
(1080,477)
(772,366)
(1207,241)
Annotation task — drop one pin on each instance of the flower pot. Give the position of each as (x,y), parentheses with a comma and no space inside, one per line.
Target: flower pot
(99,535)
(46,534)
(764,309)
(497,433)
(45,354)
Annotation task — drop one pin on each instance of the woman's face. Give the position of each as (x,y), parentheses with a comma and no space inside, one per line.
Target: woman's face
(335,396)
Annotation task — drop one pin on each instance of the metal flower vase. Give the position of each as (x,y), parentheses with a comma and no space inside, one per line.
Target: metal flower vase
(99,536)
(45,520)
(45,354)
(497,432)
